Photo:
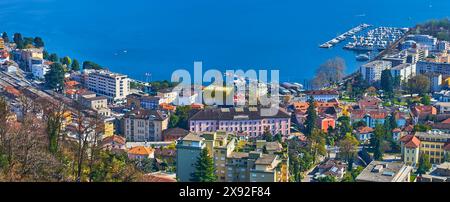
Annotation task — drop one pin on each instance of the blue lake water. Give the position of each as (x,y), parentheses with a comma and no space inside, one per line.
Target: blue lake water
(160,36)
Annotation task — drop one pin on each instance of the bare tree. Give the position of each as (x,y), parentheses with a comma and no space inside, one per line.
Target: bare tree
(332,71)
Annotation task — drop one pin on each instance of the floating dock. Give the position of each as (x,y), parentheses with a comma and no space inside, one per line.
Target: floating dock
(344,36)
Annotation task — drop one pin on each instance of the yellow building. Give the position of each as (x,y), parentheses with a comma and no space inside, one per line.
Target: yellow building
(434,144)
(108,127)
(2,44)
(220,145)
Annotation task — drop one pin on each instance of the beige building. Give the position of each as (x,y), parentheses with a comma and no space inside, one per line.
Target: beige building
(410,145)
(143,125)
(220,145)
(99,104)
(256,166)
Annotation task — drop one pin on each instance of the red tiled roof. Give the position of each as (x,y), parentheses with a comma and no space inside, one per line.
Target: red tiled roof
(409,128)
(140,150)
(447,146)
(114,138)
(396,130)
(406,138)
(12,90)
(157,178)
(447,121)
(413,143)
(365,130)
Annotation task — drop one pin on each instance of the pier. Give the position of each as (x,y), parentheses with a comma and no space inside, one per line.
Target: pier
(344,36)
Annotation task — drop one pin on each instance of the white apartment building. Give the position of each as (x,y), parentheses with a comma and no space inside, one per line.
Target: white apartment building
(114,86)
(424,67)
(39,70)
(168,95)
(371,71)
(404,71)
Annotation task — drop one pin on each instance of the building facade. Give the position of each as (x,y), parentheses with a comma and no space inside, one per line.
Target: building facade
(424,67)
(371,72)
(114,86)
(240,120)
(143,125)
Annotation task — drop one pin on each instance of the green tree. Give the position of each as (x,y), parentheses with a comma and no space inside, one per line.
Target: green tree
(54,79)
(344,126)
(28,42)
(419,84)
(387,82)
(38,42)
(18,40)
(393,120)
(45,55)
(317,144)
(267,135)
(424,164)
(348,147)
(377,141)
(351,175)
(66,61)
(426,100)
(327,179)
(311,118)
(91,65)
(279,137)
(5,37)
(204,168)
(53,57)
(75,65)
(182,114)
(421,128)
(113,167)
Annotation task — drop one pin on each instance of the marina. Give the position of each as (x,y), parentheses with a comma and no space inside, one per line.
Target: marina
(376,39)
(344,36)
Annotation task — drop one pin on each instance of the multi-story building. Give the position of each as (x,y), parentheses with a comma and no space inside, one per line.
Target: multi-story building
(143,101)
(39,70)
(112,85)
(97,103)
(404,71)
(424,67)
(267,168)
(220,144)
(230,165)
(443,46)
(248,120)
(435,81)
(371,71)
(426,41)
(167,95)
(142,125)
(383,171)
(410,148)
(443,107)
(4,56)
(188,151)
(434,144)
(2,44)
